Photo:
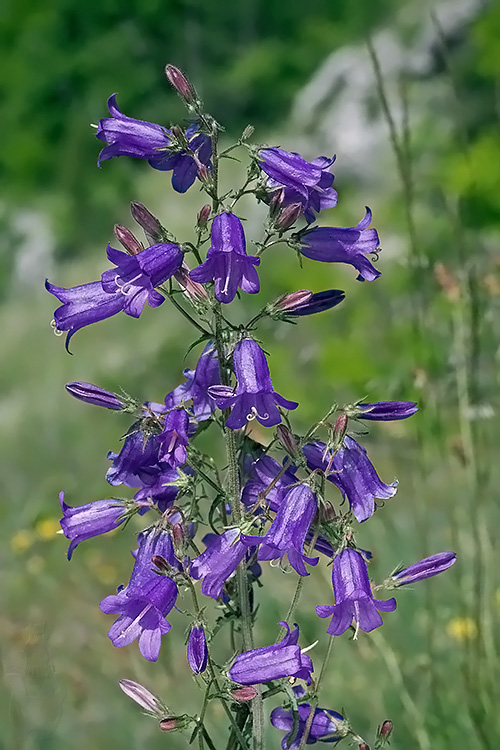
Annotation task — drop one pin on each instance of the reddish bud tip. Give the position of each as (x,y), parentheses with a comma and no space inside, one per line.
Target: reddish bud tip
(277,198)
(364,746)
(386,729)
(203,216)
(243,694)
(167,725)
(203,173)
(287,439)
(340,428)
(288,216)
(147,221)
(292,300)
(192,289)
(161,563)
(127,239)
(180,83)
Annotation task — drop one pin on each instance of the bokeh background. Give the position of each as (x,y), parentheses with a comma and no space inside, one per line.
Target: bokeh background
(414,124)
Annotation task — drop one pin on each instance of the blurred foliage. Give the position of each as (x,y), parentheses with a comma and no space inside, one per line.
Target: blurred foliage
(428,330)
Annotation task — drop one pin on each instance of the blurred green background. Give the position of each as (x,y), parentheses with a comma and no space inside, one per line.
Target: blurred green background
(419,143)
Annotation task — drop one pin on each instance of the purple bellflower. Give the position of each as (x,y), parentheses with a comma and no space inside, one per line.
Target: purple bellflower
(127,288)
(353,473)
(386,411)
(146,600)
(262,474)
(318,302)
(426,568)
(337,245)
(353,596)
(218,562)
(197,649)
(174,438)
(196,387)
(324,728)
(306,183)
(92,394)
(126,136)
(283,659)
(289,529)
(227,262)
(254,396)
(92,519)
(138,456)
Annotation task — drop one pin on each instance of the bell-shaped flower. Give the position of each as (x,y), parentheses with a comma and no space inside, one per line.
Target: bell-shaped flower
(306,183)
(92,394)
(199,380)
(353,473)
(227,262)
(283,659)
(174,438)
(92,519)
(197,649)
(353,596)
(218,562)
(138,456)
(385,411)
(327,725)
(288,531)
(146,600)
(126,136)
(426,568)
(262,479)
(254,396)
(318,302)
(350,245)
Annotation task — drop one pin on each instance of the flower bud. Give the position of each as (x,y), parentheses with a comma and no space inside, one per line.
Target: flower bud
(164,567)
(174,722)
(276,199)
(426,568)
(143,697)
(292,300)
(203,173)
(287,439)
(385,730)
(364,746)
(242,694)
(247,133)
(180,83)
(127,239)
(197,652)
(192,289)
(340,428)
(288,217)
(92,394)
(147,221)
(203,217)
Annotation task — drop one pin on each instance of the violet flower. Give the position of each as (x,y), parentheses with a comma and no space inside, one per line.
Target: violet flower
(353,473)
(196,387)
(426,568)
(262,474)
(227,262)
(138,456)
(288,531)
(197,649)
(92,394)
(146,600)
(318,302)
(218,562)
(254,396)
(306,183)
(126,136)
(350,245)
(92,519)
(283,659)
(174,438)
(353,596)
(327,725)
(386,411)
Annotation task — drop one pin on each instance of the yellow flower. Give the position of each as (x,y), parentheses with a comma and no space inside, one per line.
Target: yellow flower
(462,628)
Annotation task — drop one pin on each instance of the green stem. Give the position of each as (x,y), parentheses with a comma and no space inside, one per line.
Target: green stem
(315,700)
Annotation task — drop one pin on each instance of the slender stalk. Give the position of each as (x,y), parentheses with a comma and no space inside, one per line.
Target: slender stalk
(315,700)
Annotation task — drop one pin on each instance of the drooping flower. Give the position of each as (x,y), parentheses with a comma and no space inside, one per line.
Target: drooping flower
(386,411)
(126,136)
(144,698)
(197,649)
(127,288)
(349,245)
(227,262)
(318,302)
(196,387)
(254,396)
(288,531)
(262,478)
(426,568)
(283,659)
(327,725)
(352,472)
(306,183)
(138,456)
(92,394)
(353,596)
(218,562)
(174,438)
(146,600)
(92,519)
(136,276)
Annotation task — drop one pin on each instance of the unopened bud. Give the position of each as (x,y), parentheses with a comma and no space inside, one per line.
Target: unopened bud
(385,729)
(203,216)
(180,83)
(92,394)
(162,564)
(174,722)
(179,136)
(247,133)
(192,289)
(203,173)
(127,239)
(340,428)
(275,202)
(290,301)
(364,746)
(143,697)
(288,216)
(327,512)
(246,693)
(287,439)
(147,221)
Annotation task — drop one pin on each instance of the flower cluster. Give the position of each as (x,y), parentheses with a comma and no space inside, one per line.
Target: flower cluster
(289,512)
